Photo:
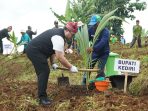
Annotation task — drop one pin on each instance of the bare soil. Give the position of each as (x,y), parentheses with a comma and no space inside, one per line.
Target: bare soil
(13,96)
(21,95)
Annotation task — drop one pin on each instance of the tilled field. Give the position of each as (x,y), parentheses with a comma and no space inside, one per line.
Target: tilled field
(17,95)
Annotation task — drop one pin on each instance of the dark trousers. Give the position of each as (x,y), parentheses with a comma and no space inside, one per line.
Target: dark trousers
(134,40)
(1,46)
(42,70)
(101,64)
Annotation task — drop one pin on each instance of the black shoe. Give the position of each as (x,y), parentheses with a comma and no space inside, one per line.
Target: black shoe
(45,101)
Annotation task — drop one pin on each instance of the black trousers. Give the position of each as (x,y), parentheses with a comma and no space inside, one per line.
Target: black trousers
(42,70)
(1,46)
(134,40)
(101,64)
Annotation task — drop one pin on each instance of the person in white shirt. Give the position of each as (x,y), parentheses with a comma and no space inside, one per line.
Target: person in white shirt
(50,44)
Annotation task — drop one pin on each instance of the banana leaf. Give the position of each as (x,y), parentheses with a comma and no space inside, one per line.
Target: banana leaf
(68,11)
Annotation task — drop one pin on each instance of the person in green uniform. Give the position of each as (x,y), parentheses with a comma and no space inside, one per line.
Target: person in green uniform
(113,39)
(137,30)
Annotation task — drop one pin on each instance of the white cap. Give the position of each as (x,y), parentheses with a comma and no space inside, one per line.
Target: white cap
(80,23)
(23,31)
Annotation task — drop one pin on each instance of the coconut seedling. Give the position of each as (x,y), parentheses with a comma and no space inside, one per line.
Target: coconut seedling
(13,39)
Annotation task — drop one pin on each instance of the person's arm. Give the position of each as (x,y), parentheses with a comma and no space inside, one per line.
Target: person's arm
(34,33)
(60,56)
(58,46)
(6,34)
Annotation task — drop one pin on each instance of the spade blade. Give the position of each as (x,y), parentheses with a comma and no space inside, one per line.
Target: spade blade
(63,81)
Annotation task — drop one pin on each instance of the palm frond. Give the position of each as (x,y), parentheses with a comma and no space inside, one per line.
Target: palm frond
(103,22)
(83,43)
(13,39)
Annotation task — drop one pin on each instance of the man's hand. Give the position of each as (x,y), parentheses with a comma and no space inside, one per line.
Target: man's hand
(8,38)
(68,51)
(89,50)
(54,66)
(73,69)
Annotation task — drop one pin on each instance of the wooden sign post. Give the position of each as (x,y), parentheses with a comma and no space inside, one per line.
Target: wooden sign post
(125,82)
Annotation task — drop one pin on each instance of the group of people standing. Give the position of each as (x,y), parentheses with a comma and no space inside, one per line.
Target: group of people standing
(25,38)
(137,33)
(114,39)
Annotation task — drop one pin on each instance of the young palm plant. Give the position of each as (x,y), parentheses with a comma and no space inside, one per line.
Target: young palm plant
(83,43)
(13,39)
(83,40)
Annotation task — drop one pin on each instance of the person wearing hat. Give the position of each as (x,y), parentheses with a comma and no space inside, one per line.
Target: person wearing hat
(4,33)
(100,50)
(137,30)
(50,44)
(30,32)
(25,39)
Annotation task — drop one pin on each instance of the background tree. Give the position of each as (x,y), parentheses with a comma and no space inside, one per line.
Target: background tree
(81,10)
(126,9)
(77,10)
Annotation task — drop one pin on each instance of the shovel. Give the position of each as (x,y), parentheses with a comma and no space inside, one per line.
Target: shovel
(63,81)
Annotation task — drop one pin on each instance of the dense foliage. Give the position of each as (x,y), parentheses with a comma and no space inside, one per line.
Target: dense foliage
(81,10)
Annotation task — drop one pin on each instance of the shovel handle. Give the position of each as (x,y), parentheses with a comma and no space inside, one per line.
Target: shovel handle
(82,70)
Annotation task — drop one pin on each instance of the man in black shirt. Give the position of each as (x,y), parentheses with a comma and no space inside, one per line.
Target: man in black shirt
(4,33)
(30,32)
(50,44)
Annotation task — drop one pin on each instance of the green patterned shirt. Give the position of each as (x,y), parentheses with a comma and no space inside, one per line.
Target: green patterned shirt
(137,30)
